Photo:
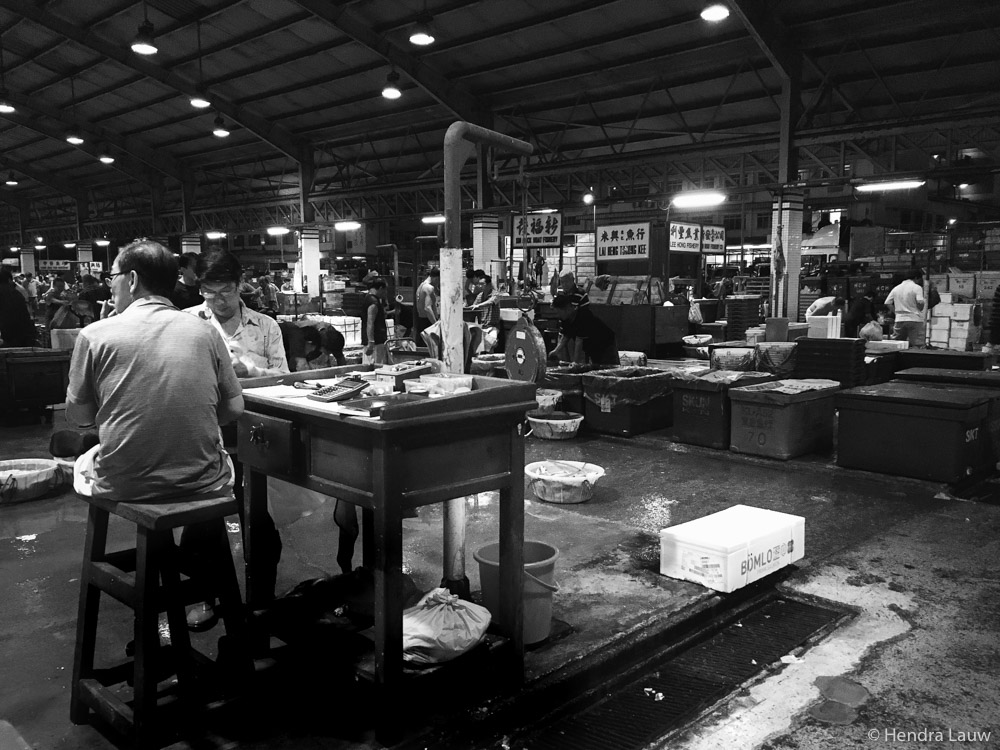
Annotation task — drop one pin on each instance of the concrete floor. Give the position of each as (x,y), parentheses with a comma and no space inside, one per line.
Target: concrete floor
(918,565)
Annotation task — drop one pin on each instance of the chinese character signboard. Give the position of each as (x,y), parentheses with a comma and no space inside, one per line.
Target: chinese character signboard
(713,239)
(53,265)
(685,238)
(623,242)
(538,230)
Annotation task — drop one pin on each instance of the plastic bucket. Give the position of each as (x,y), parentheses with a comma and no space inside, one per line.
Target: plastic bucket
(537,587)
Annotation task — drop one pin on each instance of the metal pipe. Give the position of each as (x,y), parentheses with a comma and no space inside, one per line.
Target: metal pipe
(458,147)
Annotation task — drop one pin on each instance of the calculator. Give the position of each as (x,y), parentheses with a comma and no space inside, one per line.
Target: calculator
(345,389)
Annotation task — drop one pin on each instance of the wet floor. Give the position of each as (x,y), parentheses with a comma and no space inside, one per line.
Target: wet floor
(610,587)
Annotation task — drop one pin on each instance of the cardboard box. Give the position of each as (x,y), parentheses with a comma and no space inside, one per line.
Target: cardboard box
(729,549)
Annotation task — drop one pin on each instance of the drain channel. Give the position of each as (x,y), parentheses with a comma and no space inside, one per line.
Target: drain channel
(674,692)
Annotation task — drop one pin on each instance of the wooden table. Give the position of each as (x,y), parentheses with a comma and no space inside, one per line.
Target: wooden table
(416,454)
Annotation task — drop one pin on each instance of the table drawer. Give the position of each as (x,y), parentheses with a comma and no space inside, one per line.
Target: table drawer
(266,443)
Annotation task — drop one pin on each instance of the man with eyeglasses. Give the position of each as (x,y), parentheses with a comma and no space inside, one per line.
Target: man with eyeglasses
(254,339)
(256,349)
(157,384)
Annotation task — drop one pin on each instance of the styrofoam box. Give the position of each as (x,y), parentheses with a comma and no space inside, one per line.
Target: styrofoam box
(729,549)
(946,298)
(962,312)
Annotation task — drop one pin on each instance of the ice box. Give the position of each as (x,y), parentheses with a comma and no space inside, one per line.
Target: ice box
(729,549)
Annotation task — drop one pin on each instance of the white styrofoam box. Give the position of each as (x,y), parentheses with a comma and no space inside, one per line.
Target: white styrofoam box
(944,310)
(729,549)
(958,344)
(960,327)
(962,284)
(940,324)
(962,312)
(946,298)
(939,338)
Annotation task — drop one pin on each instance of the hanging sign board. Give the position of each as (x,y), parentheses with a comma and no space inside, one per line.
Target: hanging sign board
(53,265)
(713,239)
(685,238)
(538,230)
(623,242)
(91,266)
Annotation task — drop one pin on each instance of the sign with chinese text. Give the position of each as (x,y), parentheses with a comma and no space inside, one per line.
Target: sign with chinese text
(623,242)
(685,238)
(53,265)
(713,239)
(538,230)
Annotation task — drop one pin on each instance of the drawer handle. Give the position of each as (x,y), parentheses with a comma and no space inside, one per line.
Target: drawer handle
(257,436)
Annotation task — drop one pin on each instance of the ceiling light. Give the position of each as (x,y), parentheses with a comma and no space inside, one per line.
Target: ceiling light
(347,226)
(963,186)
(39,247)
(875,187)
(215,235)
(69,245)
(102,243)
(39,238)
(277,231)
(715,13)
(73,138)
(588,197)
(544,211)
(437,219)
(14,248)
(952,220)
(421,34)
(106,158)
(5,106)
(199,100)
(220,130)
(391,88)
(143,44)
(698,199)
(11,180)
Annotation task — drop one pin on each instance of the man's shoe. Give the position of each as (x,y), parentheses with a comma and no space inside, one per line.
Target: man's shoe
(202,617)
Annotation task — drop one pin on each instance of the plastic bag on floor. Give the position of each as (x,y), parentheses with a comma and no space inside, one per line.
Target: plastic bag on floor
(441,627)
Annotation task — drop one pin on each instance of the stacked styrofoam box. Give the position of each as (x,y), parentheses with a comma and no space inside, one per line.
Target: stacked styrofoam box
(953,325)
(962,285)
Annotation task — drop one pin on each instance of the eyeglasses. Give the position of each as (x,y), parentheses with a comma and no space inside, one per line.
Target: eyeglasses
(230,291)
(117,273)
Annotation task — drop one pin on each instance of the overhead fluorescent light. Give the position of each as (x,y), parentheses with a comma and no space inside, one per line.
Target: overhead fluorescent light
(422,34)
(544,211)
(102,243)
(220,130)
(698,199)
(69,245)
(106,159)
(200,100)
(215,235)
(73,138)
(876,187)
(347,226)
(438,219)
(277,231)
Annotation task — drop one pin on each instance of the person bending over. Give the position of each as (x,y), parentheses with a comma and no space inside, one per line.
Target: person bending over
(583,338)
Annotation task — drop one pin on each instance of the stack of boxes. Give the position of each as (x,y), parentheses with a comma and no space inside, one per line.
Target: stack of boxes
(955,325)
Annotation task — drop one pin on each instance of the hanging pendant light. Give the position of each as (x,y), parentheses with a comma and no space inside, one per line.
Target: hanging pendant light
(11,180)
(200,99)
(143,44)
(391,88)
(220,131)
(5,106)
(73,136)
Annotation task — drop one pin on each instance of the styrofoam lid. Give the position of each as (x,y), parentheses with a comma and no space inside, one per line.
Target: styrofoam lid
(730,529)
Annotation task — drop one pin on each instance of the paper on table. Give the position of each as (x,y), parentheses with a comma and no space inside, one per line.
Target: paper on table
(277,391)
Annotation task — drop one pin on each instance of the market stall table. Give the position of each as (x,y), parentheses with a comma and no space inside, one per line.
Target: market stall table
(388,465)
(972,378)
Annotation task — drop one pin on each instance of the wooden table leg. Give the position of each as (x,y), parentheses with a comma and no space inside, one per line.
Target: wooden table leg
(254,506)
(512,557)
(388,558)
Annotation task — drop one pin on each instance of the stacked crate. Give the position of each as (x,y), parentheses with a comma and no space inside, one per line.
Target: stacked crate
(955,325)
(742,312)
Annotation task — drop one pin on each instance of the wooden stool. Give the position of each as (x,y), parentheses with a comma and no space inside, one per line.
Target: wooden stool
(147,579)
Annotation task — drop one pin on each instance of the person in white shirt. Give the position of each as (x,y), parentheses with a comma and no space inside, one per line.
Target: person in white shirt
(907,301)
(826,306)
